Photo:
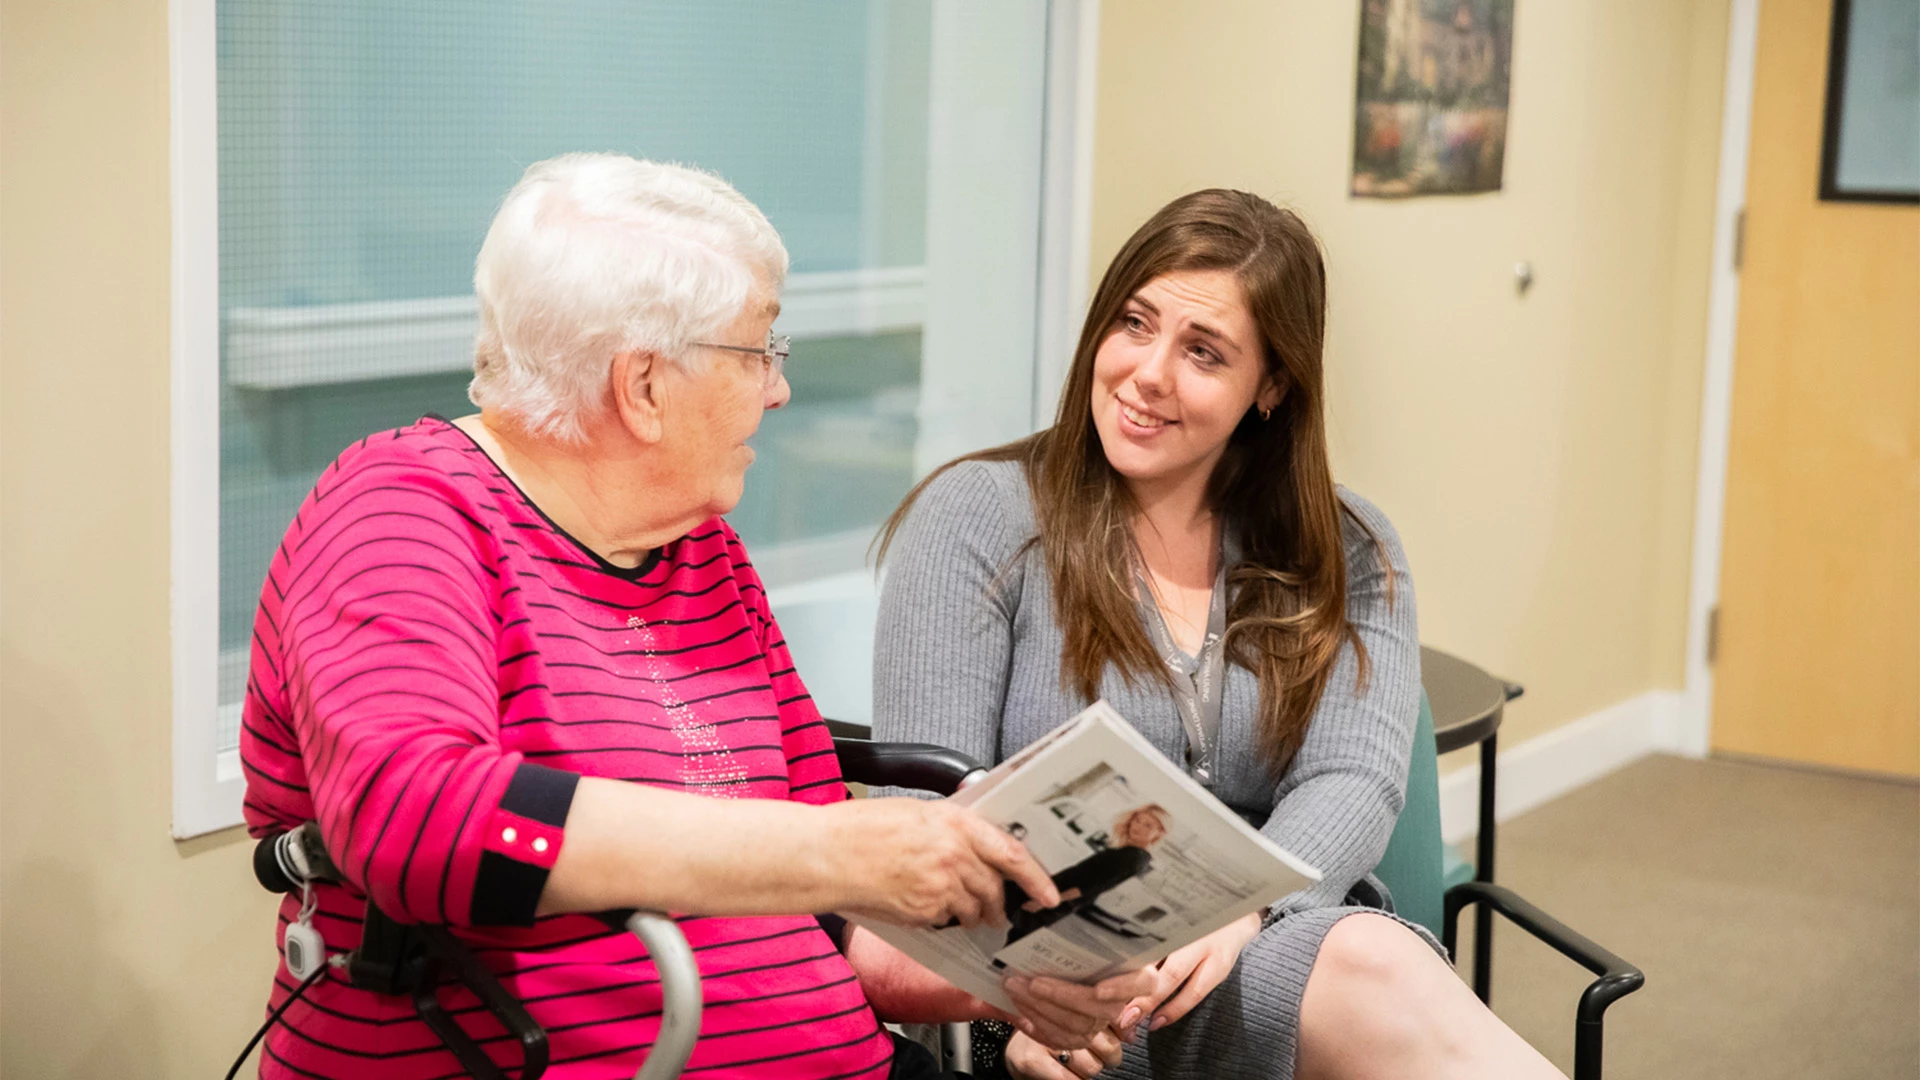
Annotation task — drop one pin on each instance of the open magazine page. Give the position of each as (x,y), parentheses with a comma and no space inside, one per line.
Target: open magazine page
(1146,861)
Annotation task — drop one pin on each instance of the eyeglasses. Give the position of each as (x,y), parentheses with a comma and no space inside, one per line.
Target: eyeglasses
(774,353)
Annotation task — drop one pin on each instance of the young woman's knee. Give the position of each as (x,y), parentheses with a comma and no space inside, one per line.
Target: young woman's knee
(1363,1004)
(1374,954)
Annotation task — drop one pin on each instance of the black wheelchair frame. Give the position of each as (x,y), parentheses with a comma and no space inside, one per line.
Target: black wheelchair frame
(416,960)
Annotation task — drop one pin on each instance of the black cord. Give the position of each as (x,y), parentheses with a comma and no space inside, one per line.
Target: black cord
(262,1033)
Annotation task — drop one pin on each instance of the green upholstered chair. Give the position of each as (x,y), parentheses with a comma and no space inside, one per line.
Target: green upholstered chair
(1426,890)
(1414,867)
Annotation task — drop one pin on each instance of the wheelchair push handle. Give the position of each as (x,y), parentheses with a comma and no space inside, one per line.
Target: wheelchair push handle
(282,861)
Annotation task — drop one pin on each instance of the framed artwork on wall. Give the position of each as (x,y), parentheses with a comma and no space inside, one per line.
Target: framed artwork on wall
(1430,102)
(1870,148)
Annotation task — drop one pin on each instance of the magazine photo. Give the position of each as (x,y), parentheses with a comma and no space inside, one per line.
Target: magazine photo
(1146,861)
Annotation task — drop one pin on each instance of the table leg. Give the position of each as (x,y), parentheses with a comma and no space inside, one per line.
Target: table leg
(1483,871)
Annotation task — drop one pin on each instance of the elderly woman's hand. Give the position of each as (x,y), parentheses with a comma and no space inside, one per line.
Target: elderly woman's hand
(918,863)
(1068,1016)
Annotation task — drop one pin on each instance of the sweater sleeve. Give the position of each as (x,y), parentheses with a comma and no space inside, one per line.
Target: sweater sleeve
(388,633)
(943,642)
(813,771)
(1337,803)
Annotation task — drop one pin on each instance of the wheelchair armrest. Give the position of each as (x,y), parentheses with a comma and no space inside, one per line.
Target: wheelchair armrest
(1617,978)
(921,766)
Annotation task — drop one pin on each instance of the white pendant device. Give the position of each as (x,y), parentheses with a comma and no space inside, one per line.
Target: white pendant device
(306,951)
(303,947)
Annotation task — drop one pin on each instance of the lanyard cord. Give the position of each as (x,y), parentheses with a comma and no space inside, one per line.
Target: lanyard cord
(1198,681)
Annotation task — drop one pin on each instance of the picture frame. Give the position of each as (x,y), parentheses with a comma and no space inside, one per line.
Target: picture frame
(1867,154)
(1432,85)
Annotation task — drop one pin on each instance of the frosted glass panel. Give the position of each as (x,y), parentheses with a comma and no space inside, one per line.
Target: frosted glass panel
(364,146)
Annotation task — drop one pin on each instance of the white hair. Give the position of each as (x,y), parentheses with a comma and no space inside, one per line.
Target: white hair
(596,254)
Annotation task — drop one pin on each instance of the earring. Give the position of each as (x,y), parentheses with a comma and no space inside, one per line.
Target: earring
(1266,413)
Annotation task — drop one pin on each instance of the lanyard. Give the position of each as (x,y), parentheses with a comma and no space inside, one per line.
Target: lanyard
(1198,680)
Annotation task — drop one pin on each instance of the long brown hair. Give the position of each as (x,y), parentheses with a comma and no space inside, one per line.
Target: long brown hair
(1288,613)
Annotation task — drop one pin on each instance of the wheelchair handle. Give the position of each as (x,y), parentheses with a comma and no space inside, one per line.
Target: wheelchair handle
(680,999)
(282,861)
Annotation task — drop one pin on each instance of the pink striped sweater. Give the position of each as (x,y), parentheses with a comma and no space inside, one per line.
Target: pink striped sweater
(434,666)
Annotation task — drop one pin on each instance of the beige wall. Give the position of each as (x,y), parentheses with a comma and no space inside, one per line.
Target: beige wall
(122,954)
(1537,454)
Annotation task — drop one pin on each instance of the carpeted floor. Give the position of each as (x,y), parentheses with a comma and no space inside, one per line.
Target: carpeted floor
(1775,911)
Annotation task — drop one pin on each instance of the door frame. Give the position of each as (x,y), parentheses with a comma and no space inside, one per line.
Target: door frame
(1693,727)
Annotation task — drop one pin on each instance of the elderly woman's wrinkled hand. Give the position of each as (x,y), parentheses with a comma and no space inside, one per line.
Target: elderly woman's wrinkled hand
(918,863)
(1068,1016)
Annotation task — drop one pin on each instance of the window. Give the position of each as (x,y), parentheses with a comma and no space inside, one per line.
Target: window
(336,166)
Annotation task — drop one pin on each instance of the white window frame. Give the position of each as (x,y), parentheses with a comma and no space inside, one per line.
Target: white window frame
(206,792)
(208,785)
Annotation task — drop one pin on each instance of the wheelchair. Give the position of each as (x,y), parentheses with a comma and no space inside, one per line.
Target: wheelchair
(415,961)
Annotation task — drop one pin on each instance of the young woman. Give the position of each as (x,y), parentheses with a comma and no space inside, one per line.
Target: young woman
(1175,544)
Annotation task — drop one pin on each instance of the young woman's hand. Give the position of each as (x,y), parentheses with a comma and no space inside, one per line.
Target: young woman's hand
(1200,966)
(1028,1060)
(1068,1016)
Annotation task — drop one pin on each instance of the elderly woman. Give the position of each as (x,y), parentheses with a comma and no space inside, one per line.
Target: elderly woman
(1175,544)
(518,669)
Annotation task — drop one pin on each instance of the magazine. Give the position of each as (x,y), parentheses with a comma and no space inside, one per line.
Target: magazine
(1146,861)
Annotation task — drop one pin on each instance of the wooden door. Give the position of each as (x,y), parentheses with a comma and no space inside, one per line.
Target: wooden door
(1819,627)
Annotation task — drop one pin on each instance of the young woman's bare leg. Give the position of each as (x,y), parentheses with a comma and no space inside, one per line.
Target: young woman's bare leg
(1381,1003)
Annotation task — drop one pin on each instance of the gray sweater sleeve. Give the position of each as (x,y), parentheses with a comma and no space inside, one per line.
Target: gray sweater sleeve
(944,637)
(1337,803)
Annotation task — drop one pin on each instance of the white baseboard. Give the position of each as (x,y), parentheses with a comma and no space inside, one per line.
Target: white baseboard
(1548,766)
(1689,720)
